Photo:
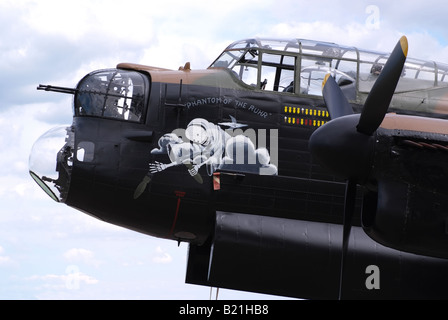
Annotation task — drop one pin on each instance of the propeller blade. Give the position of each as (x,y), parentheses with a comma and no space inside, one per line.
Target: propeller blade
(335,100)
(379,98)
(349,209)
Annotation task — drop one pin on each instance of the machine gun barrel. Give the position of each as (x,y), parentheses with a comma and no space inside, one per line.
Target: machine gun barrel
(56,89)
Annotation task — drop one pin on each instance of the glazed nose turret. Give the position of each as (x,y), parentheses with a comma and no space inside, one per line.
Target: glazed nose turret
(51,161)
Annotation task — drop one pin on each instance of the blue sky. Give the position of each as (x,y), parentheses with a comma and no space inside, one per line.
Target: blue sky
(44,245)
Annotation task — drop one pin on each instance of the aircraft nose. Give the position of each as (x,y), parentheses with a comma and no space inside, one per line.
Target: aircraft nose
(51,161)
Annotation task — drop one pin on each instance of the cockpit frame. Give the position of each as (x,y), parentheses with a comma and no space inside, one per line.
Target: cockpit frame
(355,70)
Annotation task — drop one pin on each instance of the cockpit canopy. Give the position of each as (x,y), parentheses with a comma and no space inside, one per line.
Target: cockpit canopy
(299,66)
(112,93)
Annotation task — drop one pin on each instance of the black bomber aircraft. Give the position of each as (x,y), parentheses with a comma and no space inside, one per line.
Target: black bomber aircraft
(279,165)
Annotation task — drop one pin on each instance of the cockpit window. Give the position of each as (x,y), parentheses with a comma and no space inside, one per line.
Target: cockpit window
(114,94)
(261,70)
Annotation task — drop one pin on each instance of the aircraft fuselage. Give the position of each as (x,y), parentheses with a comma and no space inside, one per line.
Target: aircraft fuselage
(219,158)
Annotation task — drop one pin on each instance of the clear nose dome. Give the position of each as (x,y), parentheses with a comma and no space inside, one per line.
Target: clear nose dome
(50,161)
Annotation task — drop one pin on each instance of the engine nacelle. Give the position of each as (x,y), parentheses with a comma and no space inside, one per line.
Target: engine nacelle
(302,259)
(407,217)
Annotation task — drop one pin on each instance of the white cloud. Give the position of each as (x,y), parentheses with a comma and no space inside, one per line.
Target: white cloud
(69,281)
(78,255)
(81,19)
(5,260)
(161,256)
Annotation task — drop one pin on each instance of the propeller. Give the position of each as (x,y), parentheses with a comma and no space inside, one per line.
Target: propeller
(345,144)
(379,98)
(335,100)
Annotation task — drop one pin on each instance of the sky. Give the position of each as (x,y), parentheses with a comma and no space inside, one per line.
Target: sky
(50,251)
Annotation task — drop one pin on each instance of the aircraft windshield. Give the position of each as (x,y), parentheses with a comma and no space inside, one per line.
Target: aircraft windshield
(115,94)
